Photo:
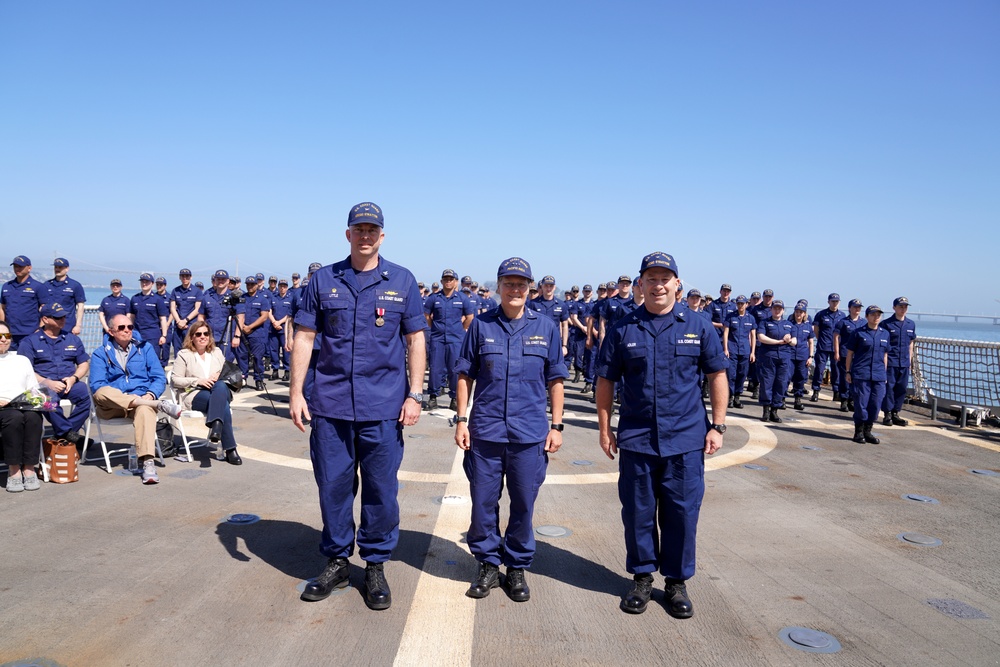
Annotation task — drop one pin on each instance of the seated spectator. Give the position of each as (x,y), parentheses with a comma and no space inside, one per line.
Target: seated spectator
(60,363)
(20,430)
(196,371)
(127,380)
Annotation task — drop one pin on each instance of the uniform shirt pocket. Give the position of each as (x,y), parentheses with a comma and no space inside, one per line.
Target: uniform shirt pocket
(335,315)
(491,362)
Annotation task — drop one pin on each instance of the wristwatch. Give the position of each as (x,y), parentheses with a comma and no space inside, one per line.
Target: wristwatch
(419,398)
(461,420)
(721,428)
(558,427)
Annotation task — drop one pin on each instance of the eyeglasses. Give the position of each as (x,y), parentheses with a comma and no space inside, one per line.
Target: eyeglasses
(124,327)
(5,336)
(199,334)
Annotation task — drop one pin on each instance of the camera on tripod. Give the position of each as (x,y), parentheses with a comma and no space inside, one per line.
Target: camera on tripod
(230,300)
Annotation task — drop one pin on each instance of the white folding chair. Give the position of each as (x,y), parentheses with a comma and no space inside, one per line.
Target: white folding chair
(186,414)
(108,453)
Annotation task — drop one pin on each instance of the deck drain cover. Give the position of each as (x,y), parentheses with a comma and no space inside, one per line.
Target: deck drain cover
(553,531)
(188,474)
(957,609)
(812,448)
(919,498)
(583,462)
(807,639)
(919,540)
(336,591)
(417,436)
(754,466)
(243,519)
(987,473)
(451,500)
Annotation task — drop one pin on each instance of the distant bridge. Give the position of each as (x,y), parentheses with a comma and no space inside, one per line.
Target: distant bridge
(954,317)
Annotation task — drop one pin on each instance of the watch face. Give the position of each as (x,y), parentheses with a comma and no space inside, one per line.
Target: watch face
(721,428)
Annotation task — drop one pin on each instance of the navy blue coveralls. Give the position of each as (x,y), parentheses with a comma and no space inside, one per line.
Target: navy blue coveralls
(21,303)
(825,322)
(740,327)
(870,347)
(512,362)
(359,391)
(577,340)
(845,327)
(186,299)
(147,311)
(55,359)
(721,312)
(800,357)
(447,333)
(112,305)
(774,362)
(256,340)
(67,293)
(901,333)
(281,306)
(661,433)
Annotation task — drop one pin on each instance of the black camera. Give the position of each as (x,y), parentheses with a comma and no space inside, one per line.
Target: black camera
(230,300)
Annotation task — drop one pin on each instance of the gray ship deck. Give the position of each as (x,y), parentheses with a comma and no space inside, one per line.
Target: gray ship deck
(108,572)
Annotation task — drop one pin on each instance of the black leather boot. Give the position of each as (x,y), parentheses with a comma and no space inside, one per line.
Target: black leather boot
(737,403)
(487,579)
(377,593)
(730,403)
(432,403)
(516,587)
(843,405)
(798,403)
(767,413)
(897,420)
(867,434)
(636,600)
(774,416)
(335,575)
(675,596)
(815,397)
(858,435)
(887,420)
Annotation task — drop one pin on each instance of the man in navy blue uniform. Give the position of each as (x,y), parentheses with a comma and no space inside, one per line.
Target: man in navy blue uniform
(660,351)
(721,309)
(902,333)
(449,313)
(577,334)
(280,324)
(113,304)
(296,287)
(60,363)
(20,300)
(867,356)
(824,326)
(513,355)
(588,356)
(775,340)
(150,315)
(252,321)
(185,303)
(213,309)
(68,293)
(368,310)
(845,327)
(161,290)
(739,341)
(547,304)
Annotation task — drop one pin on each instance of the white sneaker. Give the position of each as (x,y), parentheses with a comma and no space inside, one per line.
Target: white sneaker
(171,409)
(31,483)
(15,484)
(149,472)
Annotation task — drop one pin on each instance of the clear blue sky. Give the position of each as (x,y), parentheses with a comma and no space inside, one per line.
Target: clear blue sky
(802,146)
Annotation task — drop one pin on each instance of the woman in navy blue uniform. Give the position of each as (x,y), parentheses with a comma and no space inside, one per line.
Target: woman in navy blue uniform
(113,304)
(739,341)
(802,354)
(775,340)
(845,327)
(513,354)
(902,332)
(867,355)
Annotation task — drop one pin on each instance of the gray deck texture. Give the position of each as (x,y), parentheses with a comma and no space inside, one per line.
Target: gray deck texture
(109,572)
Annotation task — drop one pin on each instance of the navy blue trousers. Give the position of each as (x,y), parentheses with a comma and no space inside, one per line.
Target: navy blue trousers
(739,367)
(661,499)
(214,403)
(821,359)
(165,348)
(800,373)
(276,345)
(843,386)
(348,455)
(80,398)
(523,468)
(897,377)
(152,336)
(868,396)
(257,342)
(589,362)
(444,355)
(773,373)
(577,346)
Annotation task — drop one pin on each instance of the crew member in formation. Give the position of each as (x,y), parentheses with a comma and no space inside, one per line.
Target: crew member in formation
(824,326)
(867,355)
(902,333)
(449,314)
(802,353)
(739,341)
(846,327)
(775,340)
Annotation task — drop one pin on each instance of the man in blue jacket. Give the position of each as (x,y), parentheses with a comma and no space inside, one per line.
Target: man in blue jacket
(127,380)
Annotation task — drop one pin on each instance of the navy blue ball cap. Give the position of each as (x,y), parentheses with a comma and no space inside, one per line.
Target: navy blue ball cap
(21,260)
(873,309)
(855,303)
(769,292)
(221,273)
(741,299)
(466,280)
(514,266)
(259,277)
(60,263)
(694,292)
(365,213)
(184,272)
(602,286)
(54,310)
(900,301)
(116,281)
(200,285)
(146,277)
(801,305)
(282,282)
(272,279)
(777,303)
(548,280)
(588,288)
(755,295)
(161,280)
(234,278)
(726,286)
(660,259)
(803,302)
(449,273)
(315,266)
(625,279)
(251,280)
(575,288)
(833,297)
(295,275)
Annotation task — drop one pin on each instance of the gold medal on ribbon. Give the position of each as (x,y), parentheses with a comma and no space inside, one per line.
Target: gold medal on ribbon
(380,317)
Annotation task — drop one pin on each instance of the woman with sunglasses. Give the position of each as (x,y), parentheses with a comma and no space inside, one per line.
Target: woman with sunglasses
(20,430)
(196,372)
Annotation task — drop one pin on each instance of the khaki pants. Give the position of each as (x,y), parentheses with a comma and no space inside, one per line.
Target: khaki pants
(111,403)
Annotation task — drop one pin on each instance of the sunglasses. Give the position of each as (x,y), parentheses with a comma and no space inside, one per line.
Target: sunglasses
(199,334)
(5,336)
(124,327)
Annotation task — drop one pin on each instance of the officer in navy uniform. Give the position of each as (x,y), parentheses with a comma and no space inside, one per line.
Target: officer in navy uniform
(760,308)
(185,304)
(150,314)
(802,353)
(547,304)
(310,378)
(902,333)
(20,300)
(113,304)
(368,310)
(739,342)
(593,343)
(272,286)
(721,309)
(280,323)
(845,327)
(775,340)
(449,313)
(660,351)
(253,322)
(60,362)
(295,289)
(587,364)
(867,356)
(513,354)
(824,326)
(577,333)
(68,293)
(214,310)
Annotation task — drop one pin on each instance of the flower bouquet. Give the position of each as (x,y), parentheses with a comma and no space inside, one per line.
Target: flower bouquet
(41,399)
